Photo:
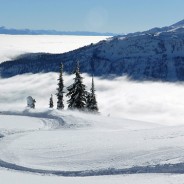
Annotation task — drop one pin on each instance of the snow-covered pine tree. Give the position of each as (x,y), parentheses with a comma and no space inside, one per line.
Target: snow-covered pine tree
(60,91)
(51,103)
(91,104)
(77,92)
(31,102)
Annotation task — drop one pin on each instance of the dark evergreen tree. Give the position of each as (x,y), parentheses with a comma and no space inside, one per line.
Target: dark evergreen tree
(91,104)
(88,101)
(33,105)
(77,92)
(60,88)
(51,103)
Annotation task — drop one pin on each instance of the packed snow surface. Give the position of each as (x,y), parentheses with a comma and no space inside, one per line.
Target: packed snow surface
(21,178)
(67,143)
(74,143)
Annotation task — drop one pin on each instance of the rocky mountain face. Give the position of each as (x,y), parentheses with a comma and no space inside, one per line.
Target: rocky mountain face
(156,54)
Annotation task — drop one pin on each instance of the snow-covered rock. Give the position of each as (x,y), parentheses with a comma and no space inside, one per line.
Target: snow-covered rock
(31,102)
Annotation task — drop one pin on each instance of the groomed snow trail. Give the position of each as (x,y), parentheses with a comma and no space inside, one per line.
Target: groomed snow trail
(76,144)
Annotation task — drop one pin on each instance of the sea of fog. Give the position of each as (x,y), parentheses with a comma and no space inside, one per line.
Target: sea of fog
(145,101)
(14,45)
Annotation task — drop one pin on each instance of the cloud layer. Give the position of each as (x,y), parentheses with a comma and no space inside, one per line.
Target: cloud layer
(145,101)
(14,45)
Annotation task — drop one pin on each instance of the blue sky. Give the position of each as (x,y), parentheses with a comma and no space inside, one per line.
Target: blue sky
(118,16)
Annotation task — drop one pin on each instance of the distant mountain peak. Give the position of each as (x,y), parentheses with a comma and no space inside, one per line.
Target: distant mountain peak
(178,24)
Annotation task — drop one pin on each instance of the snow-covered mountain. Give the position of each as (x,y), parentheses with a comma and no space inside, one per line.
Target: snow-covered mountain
(156,54)
(178,24)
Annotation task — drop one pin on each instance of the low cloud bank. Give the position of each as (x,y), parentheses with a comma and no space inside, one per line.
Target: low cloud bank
(13,45)
(158,102)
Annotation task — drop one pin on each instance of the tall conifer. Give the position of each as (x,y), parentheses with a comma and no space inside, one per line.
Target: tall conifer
(91,104)
(60,104)
(51,103)
(77,92)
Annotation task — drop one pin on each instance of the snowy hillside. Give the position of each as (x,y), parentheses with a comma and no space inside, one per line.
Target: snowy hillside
(88,144)
(75,144)
(41,144)
(157,54)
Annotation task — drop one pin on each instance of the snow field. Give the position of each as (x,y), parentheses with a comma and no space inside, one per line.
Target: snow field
(10,124)
(77,142)
(20,178)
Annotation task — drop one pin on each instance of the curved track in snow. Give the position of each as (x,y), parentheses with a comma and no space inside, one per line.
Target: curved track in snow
(167,168)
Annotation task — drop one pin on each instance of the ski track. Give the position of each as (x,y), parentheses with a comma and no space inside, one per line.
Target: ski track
(166,168)
(52,122)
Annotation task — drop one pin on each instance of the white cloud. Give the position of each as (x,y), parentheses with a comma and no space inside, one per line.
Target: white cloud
(145,101)
(14,45)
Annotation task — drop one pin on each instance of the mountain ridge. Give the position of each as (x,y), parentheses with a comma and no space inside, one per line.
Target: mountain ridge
(156,54)
(180,23)
(4,30)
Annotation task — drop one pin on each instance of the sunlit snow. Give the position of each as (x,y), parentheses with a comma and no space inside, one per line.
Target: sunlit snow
(140,125)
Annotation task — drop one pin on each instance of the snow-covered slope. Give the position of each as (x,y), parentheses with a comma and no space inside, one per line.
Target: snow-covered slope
(21,178)
(178,24)
(156,54)
(48,142)
(14,124)
(77,144)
